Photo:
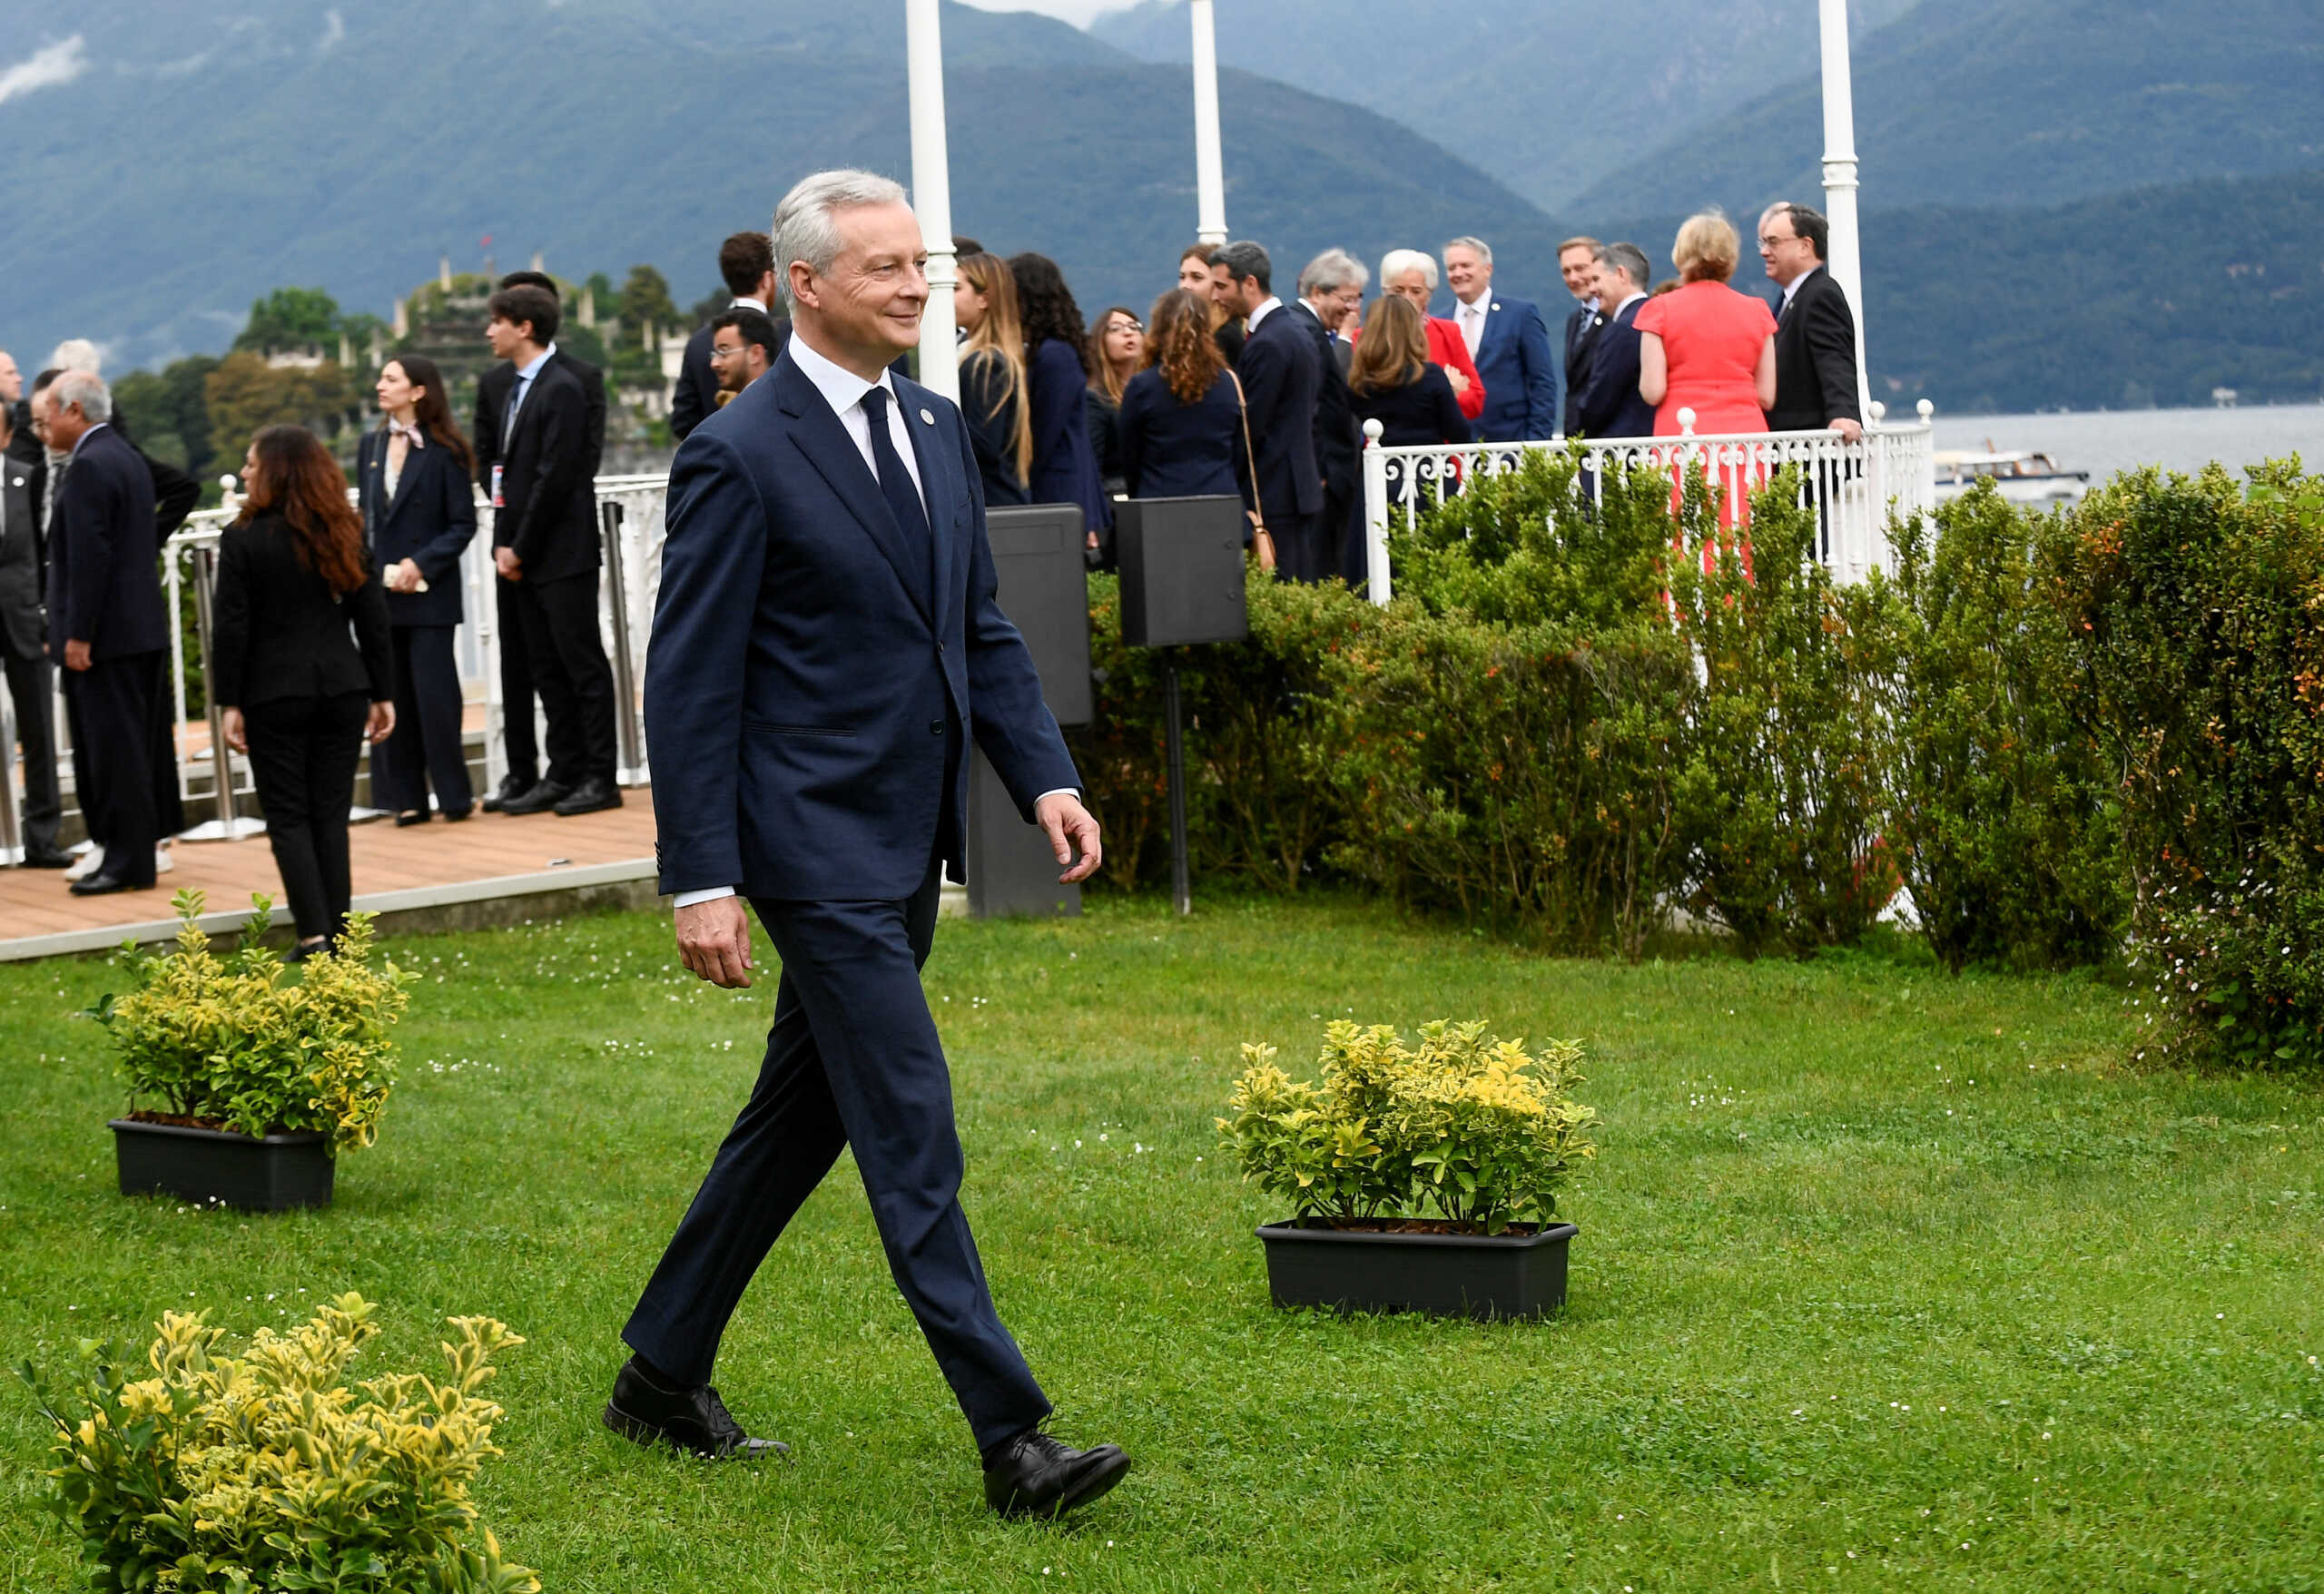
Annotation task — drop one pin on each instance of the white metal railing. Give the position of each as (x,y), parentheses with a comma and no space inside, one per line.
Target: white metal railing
(1858,484)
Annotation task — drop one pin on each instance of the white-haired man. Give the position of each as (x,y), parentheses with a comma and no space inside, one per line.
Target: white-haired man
(1331,294)
(824,644)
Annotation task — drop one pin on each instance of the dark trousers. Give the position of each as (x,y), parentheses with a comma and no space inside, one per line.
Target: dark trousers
(32,683)
(854,1059)
(125,762)
(569,670)
(1299,552)
(516,736)
(426,747)
(303,752)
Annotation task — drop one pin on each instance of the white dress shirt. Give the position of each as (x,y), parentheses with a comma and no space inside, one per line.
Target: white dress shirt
(1791,289)
(1272,305)
(843,391)
(1472,319)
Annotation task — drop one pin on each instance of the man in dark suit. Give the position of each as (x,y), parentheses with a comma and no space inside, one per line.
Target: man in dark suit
(1510,343)
(1608,404)
(1330,280)
(825,644)
(546,547)
(108,627)
(1577,264)
(519,743)
(746,261)
(23,648)
(1282,371)
(1816,373)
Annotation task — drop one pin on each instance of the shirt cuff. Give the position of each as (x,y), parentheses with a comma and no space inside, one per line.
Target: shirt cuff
(708,895)
(1072,791)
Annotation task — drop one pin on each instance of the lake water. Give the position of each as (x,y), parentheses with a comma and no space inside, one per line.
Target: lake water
(2103,442)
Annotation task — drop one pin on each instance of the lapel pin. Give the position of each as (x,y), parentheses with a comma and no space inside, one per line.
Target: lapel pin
(928,416)
(1496,304)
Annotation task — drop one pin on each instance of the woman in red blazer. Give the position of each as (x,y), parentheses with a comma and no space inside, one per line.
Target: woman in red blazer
(1413,275)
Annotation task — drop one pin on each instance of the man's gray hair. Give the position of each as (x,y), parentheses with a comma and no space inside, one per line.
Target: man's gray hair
(1331,271)
(1484,250)
(1244,259)
(1397,261)
(77,354)
(1630,261)
(86,388)
(805,225)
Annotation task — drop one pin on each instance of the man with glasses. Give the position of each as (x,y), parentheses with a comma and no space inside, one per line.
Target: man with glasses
(743,346)
(1816,376)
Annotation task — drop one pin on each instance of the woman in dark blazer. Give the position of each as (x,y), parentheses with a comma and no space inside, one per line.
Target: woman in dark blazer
(1391,380)
(299,664)
(1065,466)
(1182,415)
(1117,352)
(412,477)
(992,376)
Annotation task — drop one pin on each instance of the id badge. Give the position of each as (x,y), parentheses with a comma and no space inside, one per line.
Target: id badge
(495,489)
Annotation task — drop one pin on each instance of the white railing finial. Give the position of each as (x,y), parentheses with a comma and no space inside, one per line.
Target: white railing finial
(1927,408)
(1373,432)
(1686,423)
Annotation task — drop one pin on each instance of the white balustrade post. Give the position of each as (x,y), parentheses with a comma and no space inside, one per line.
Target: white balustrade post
(1847,252)
(1375,516)
(1210,171)
(931,185)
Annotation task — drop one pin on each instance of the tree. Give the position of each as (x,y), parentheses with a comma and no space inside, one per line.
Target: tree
(646,302)
(245,395)
(292,317)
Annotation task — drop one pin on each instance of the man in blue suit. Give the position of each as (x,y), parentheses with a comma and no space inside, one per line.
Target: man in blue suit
(1510,341)
(825,644)
(1607,404)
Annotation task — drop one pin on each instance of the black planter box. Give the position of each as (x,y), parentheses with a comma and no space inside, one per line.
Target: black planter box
(1446,1275)
(265,1174)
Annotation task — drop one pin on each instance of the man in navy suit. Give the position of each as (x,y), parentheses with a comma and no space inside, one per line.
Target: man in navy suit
(1577,264)
(1608,404)
(825,644)
(1281,369)
(1510,342)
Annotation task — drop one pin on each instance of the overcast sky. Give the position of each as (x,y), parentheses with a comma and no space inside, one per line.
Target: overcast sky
(1077,11)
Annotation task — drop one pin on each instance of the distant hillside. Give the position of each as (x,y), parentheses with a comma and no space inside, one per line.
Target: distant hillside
(218,148)
(2022,102)
(1547,95)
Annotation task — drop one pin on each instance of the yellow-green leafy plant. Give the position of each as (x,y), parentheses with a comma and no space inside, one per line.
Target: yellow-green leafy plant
(269,1471)
(1469,1126)
(228,1042)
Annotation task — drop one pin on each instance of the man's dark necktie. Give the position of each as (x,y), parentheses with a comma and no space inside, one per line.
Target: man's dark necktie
(903,499)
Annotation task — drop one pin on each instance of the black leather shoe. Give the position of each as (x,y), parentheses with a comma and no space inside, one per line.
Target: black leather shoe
(105,882)
(590,796)
(510,788)
(454,815)
(417,816)
(693,1420)
(1033,1475)
(47,858)
(540,797)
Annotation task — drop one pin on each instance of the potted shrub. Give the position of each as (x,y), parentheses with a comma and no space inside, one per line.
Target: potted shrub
(1421,1179)
(269,1470)
(243,1087)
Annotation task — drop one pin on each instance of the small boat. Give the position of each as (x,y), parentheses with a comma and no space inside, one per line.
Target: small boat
(2022,477)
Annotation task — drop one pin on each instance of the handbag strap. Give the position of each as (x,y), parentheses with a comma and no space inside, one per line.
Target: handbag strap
(1243,410)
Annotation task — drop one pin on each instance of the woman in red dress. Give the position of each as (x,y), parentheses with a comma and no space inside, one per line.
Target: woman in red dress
(1410,274)
(1708,349)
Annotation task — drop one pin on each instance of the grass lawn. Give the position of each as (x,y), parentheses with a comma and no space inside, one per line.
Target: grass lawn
(1884,1279)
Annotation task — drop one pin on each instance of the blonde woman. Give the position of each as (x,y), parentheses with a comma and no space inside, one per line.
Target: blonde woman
(992,377)
(1707,347)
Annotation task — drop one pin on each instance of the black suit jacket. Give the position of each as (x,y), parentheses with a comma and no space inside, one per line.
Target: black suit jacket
(105,586)
(278,632)
(429,519)
(1608,404)
(21,617)
(695,397)
(548,512)
(1581,335)
(1338,445)
(1815,358)
(1283,377)
(492,390)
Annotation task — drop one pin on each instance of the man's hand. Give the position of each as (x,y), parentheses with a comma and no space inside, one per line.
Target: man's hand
(505,560)
(1849,430)
(76,656)
(403,576)
(1069,825)
(230,725)
(380,722)
(715,940)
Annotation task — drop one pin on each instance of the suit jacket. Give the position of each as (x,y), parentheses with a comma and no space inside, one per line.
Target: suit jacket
(549,501)
(1519,372)
(492,390)
(813,689)
(992,426)
(21,617)
(1064,462)
(1581,331)
(1815,358)
(1608,405)
(105,586)
(175,492)
(429,519)
(1283,377)
(1339,447)
(1174,450)
(696,395)
(278,630)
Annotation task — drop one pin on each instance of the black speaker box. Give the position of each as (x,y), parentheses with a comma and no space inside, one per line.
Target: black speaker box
(1044,585)
(1182,570)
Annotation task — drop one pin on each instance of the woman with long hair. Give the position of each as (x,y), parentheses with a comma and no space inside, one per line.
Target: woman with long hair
(1394,378)
(412,477)
(1182,415)
(1116,350)
(299,662)
(992,377)
(1065,467)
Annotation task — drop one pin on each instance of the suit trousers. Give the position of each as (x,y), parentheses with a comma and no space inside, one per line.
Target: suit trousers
(426,747)
(303,752)
(125,767)
(854,1059)
(32,685)
(1300,554)
(517,738)
(570,672)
